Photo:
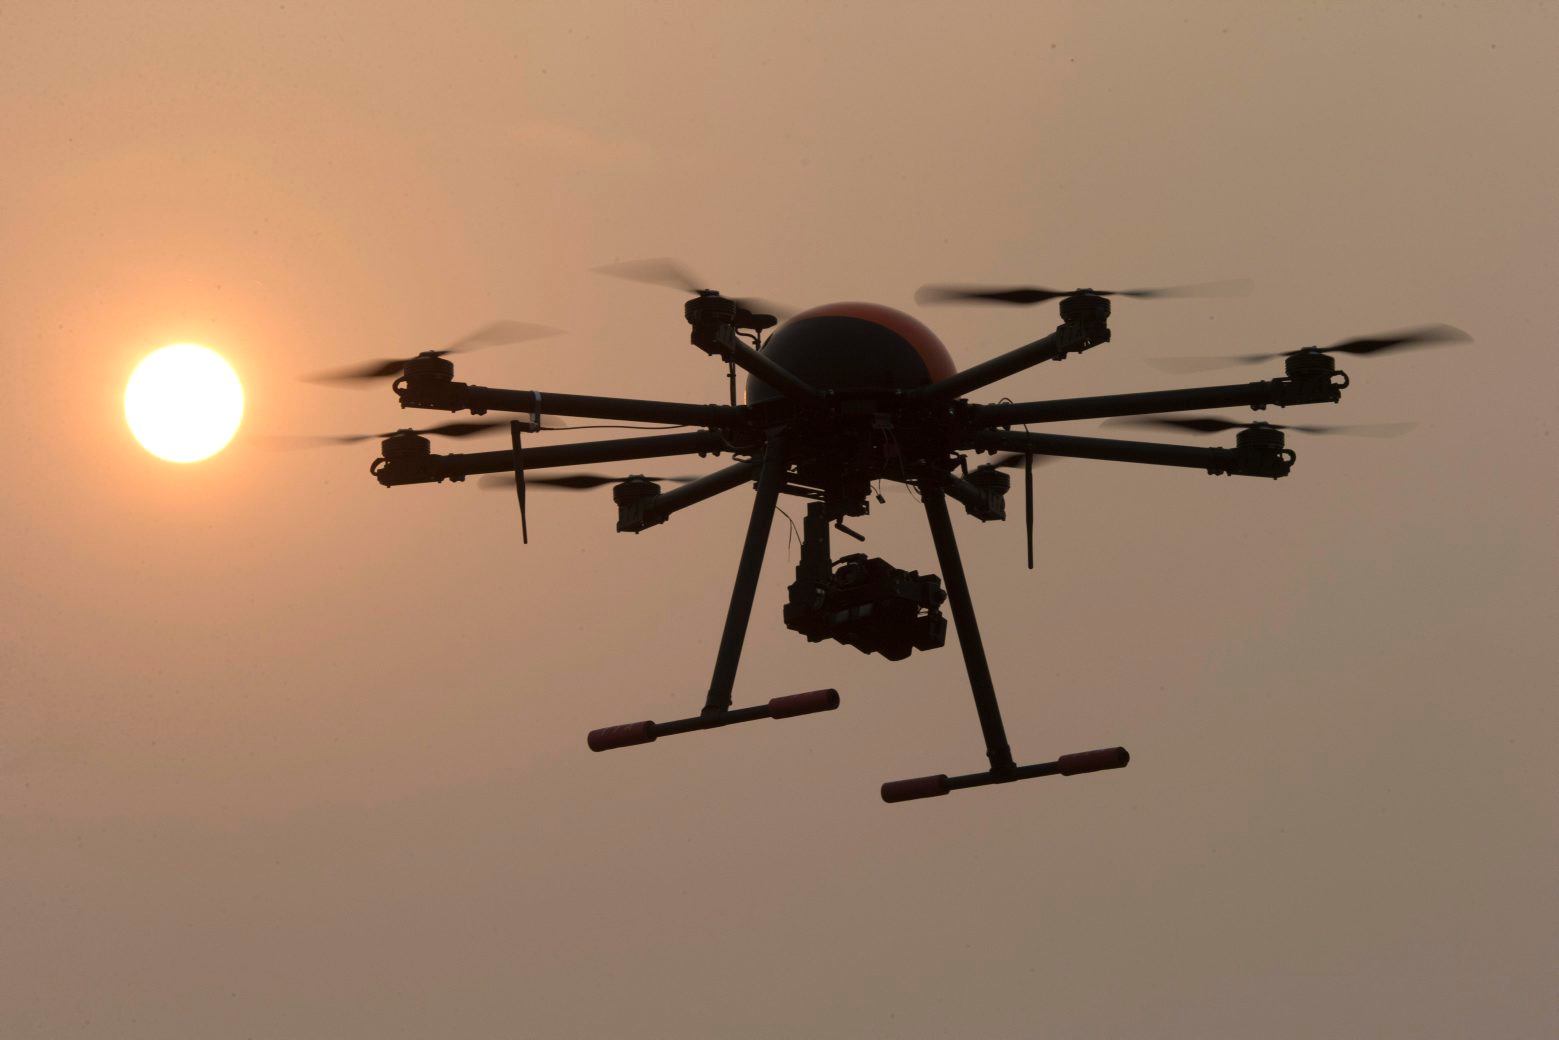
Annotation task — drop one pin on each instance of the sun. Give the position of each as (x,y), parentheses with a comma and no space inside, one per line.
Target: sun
(184,402)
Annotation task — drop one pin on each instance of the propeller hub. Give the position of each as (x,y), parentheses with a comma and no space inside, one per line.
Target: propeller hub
(634,489)
(405,446)
(1260,436)
(429,367)
(1311,361)
(633,497)
(709,313)
(1084,308)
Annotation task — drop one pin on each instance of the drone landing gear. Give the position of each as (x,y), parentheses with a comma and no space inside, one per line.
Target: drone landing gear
(1003,768)
(1066,765)
(717,706)
(779,708)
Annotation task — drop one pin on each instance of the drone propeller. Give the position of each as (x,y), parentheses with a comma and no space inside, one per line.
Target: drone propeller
(497,334)
(1014,459)
(983,293)
(568,481)
(674,274)
(452,429)
(1213,424)
(1422,336)
(663,271)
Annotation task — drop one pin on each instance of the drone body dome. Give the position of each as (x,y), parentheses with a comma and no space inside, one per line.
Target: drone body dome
(854,346)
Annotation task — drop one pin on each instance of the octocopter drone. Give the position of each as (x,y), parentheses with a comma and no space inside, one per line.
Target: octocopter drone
(839,399)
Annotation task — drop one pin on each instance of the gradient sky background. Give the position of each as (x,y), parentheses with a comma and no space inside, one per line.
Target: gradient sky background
(285,754)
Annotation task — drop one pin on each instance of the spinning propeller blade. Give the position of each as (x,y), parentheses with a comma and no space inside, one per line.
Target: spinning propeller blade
(1422,336)
(1015,458)
(674,274)
(660,270)
(570,481)
(1029,295)
(452,429)
(1213,424)
(499,333)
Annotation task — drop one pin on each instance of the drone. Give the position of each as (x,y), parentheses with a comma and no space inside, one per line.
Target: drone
(840,399)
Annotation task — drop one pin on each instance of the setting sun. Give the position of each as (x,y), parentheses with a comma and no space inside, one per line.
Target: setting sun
(184,403)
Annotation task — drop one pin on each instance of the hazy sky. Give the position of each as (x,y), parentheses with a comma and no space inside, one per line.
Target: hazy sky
(285,754)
